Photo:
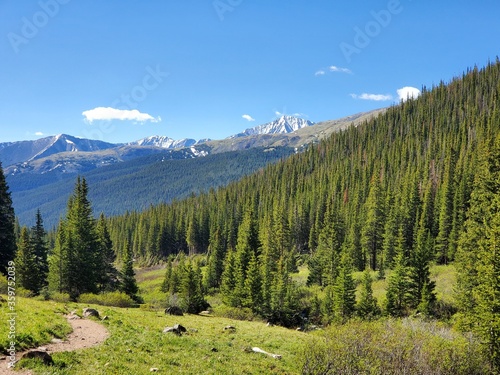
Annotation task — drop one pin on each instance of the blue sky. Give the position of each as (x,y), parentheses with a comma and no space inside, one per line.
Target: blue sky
(121,70)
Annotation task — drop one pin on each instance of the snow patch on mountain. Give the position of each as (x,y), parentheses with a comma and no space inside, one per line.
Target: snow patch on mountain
(283,125)
(167,142)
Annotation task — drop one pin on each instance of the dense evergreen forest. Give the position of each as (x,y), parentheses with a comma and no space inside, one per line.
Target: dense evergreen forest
(419,184)
(399,183)
(137,184)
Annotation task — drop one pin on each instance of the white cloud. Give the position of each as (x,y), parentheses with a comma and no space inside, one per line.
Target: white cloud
(108,114)
(334,68)
(408,92)
(39,134)
(320,73)
(277,113)
(248,118)
(375,97)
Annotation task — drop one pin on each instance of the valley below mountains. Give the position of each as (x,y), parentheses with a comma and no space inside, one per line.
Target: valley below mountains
(156,169)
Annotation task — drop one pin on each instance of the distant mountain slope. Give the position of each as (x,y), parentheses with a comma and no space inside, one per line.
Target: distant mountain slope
(166,142)
(45,180)
(69,163)
(298,138)
(26,151)
(138,183)
(283,125)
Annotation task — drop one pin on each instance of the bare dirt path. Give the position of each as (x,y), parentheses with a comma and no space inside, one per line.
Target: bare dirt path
(86,334)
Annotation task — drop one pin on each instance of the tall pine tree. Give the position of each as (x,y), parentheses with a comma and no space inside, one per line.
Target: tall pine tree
(479,254)
(26,265)
(108,274)
(7,224)
(128,283)
(373,228)
(40,250)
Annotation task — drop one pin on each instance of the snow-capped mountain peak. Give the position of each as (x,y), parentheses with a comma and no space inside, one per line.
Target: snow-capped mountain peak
(283,125)
(25,151)
(164,142)
(167,142)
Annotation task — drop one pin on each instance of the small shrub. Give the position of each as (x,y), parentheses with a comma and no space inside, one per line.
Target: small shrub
(21,292)
(60,297)
(236,313)
(408,346)
(116,299)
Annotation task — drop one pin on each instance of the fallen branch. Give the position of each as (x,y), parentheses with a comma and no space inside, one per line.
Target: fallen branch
(258,350)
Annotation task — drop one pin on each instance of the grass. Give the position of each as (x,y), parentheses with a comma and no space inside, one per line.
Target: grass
(36,323)
(150,280)
(138,344)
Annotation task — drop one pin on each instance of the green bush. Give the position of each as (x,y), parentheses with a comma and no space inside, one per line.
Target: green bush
(60,297)
(237,313)
(116,299)
(386,347)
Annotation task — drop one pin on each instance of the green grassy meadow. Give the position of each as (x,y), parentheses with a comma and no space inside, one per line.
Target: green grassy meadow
(137,344)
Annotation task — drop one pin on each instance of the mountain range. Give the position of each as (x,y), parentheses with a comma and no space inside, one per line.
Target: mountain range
(41,173)
(283,125)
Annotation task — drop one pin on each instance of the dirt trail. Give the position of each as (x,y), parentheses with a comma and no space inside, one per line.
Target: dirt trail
(86,334)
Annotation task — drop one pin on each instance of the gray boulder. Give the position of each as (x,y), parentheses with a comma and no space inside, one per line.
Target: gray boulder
(176,329)
(90,312)
(174,310)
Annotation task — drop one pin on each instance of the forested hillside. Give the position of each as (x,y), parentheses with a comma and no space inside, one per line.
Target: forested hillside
(414,186)
(136,184)
(367,190)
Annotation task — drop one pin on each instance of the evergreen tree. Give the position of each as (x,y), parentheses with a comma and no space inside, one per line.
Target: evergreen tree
(367,306)
(26,263)
(445,215)
(479,254)
(398,288)
(389,244)
(59,261)
(284,304)
(80,227)
(253,287)
(40,248)
(427,300)
(352,247)
(7,225)
(246,247)
(108,273)
(190,293)
(215,263)
(167,285)
(228,282)
(373,228)
(344,292)
(128,284)
(191,237)
(325,261)
(419,271)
